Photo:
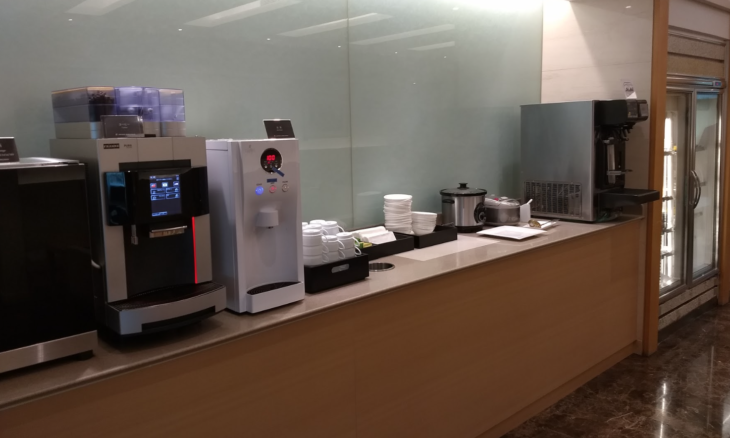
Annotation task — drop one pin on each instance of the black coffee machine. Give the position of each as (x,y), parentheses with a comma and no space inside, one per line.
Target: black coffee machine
(150,230)
(46,286)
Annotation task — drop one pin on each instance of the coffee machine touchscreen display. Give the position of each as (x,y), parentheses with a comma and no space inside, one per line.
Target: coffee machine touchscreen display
(165,195)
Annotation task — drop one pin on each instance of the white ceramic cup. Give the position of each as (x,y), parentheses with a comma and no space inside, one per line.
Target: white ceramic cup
(349,252)
(347,239)
(315,240)
(332,228)
(314,227)
(314,260)
(315,250)
(332,243)
(317,222)
(304,224)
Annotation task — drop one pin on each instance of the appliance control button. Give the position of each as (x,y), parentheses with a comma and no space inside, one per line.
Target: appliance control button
(285,188)
(259,190)
(272,189)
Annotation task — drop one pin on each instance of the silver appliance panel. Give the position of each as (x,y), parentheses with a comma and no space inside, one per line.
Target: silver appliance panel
(558,150)
(45,351)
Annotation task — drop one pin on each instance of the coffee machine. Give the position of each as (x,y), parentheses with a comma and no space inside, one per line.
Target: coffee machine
(574,158)
(255,202)
(46,278)
(150,225)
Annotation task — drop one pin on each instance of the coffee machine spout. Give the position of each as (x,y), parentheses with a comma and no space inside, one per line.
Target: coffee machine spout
(268,218)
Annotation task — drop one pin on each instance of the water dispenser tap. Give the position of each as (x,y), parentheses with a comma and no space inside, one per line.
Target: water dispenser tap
(268,218)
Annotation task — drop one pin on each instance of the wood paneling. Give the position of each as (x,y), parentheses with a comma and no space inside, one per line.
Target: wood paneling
(656,174)
(723,294)
(459,355)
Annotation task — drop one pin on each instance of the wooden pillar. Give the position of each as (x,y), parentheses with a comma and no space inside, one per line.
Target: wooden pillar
(656,173)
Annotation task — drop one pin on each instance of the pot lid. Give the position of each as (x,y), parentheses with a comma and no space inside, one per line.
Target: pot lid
(463,190)
(500,201)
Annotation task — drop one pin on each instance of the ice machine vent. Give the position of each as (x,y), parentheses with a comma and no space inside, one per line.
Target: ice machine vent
(555,198)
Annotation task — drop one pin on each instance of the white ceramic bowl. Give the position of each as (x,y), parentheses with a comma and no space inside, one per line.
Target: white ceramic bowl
(423,215)
(398,197)
(390,220)
(401,210)
(390,225)
(423,230)
(315,240)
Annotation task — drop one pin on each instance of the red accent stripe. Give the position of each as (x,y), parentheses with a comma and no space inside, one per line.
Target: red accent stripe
(195,254)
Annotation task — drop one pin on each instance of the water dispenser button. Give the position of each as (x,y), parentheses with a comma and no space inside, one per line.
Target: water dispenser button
(259,190)
(272,189)
(285,188)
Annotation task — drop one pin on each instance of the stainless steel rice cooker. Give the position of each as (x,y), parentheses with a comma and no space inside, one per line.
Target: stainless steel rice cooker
(463,207)
(500,210)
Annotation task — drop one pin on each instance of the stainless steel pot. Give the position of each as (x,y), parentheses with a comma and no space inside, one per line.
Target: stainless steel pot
(463,207)
(500,210)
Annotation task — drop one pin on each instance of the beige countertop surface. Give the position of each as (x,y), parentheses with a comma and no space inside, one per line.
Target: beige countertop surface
(27,384)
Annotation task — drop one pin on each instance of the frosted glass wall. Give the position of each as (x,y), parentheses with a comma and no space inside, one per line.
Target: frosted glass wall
(435,96)
(236,71)
(444,110)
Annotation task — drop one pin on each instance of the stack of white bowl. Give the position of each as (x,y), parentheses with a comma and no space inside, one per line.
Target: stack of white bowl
(423,222)
(314,251)
(397,211)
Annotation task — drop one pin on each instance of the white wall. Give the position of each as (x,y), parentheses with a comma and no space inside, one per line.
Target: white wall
(691,15)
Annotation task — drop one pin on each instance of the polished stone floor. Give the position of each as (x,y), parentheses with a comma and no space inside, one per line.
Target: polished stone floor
(683,390)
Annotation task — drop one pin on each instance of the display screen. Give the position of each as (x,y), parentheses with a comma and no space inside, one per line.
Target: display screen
(270,160)
(165,195)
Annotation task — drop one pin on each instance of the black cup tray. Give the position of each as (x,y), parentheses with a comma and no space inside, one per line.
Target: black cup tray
(402,243)
(440,234)
(336,274)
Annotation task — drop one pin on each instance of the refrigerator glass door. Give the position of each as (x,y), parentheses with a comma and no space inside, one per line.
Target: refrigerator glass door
(703,184)
(674,196)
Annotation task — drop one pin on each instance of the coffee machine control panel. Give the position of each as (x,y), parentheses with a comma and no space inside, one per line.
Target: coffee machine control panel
(271,161)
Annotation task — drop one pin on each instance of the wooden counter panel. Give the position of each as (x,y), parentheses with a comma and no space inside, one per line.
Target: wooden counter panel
(297,380)
(453,356)
(461,353)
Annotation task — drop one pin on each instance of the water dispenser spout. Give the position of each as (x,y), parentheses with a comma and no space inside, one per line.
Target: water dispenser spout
(268,218)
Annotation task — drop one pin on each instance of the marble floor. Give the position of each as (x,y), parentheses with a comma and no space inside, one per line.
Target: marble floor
(683,390)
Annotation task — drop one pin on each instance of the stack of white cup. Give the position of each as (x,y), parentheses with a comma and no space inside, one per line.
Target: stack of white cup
(314,251)
(347,245)
(325,241)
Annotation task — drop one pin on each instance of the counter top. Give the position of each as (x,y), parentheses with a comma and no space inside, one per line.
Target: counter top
(27,384)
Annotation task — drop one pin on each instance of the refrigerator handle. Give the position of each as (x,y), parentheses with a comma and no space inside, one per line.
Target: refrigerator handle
(697,189)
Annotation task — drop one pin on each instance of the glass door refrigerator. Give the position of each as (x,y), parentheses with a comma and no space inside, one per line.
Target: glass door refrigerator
(690,198)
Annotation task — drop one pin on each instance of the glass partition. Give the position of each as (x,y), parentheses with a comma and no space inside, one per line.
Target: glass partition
(443,110)
(436,91)
(238,62)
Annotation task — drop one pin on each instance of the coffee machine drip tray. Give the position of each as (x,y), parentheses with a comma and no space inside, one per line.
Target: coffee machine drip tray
(165,308)
(269,296)
(270,287)
(626,197)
